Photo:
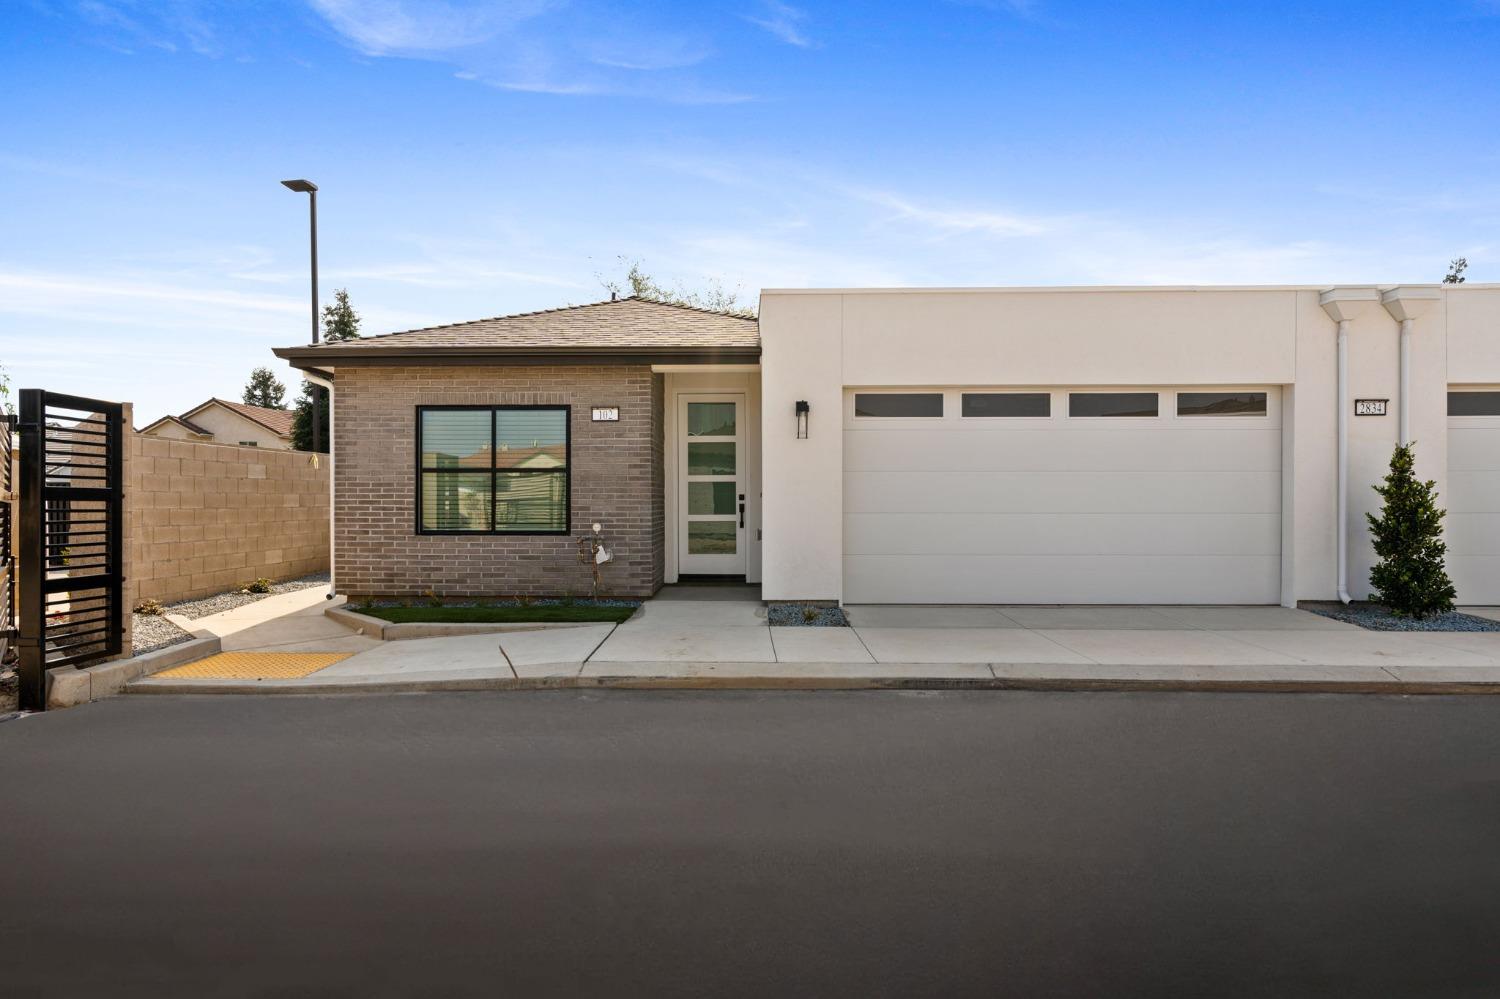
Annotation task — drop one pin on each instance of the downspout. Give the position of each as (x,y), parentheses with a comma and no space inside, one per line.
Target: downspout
(327,383)
(1343,490)
(1405,389)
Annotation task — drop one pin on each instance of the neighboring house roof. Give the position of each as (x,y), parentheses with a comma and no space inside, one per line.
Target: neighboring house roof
(542,456)
(187,425)
(619,329)
(277,421)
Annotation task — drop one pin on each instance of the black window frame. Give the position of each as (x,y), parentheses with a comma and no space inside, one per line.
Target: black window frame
(942,412)
(1083,393)
(567,469)
(1265,399)
(963,405)
(1473,392)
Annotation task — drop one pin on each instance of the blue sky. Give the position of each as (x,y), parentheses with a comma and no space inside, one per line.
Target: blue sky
(479,157)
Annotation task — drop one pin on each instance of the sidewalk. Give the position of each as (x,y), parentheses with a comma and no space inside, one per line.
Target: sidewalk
(687,644)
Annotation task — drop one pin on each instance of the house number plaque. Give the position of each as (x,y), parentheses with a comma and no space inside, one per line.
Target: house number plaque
(1369,407)
(606,414)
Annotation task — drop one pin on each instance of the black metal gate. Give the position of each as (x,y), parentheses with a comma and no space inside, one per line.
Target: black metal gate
(71,578)
(7,557)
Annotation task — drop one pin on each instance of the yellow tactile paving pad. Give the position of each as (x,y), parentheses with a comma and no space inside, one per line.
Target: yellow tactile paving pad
(256,665)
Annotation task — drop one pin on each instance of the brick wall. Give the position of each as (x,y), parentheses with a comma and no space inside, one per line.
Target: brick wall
(616,481)
(203,518)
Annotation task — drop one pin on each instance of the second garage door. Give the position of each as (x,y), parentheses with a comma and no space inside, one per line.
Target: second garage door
(999,495)
(1473,500)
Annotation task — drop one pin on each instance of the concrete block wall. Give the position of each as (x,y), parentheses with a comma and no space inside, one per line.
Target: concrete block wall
(616,481)
(202,518)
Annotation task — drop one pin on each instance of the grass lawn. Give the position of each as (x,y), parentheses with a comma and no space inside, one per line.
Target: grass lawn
(510,614)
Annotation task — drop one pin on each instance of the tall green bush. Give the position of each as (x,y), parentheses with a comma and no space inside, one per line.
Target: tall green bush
(1409,579)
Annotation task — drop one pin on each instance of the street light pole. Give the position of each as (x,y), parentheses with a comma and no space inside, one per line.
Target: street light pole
(311,190)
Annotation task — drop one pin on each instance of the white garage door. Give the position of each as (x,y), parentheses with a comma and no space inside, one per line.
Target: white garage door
(1473,500)
(1140,495)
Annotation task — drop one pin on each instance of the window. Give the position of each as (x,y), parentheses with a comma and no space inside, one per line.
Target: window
(1474,403)
(1221,404)
(898,404)
(1112,404)
(1007,404)
(492,470)
(249,444)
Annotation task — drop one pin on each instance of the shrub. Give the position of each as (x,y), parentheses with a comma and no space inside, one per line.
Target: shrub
(1409,579)
(810,614)
(149,607)
(261,585)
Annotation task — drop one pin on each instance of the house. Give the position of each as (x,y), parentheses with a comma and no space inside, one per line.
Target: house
(223,422)
(1006,445)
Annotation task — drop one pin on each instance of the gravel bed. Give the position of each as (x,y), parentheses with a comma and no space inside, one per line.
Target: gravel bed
(1374,617)
(150,632)
(806,616)
(205,606)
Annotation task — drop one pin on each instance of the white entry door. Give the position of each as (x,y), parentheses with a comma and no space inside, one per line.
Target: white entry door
(711,484)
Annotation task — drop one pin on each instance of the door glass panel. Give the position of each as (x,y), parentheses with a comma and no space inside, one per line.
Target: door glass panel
(710,419)
(711,497)
(711,537)
(711,459)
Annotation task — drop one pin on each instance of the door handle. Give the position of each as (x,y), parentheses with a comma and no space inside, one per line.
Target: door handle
(742,516)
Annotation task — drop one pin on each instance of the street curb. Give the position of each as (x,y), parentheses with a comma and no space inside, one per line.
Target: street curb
(816,683)
(70,686)
(388,631)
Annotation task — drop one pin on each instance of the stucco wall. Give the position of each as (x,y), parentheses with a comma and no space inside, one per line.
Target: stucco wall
(229,427)
(616,481)
(814,344)
(202,518)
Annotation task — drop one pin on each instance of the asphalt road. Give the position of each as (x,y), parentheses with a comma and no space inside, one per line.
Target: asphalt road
(867,844)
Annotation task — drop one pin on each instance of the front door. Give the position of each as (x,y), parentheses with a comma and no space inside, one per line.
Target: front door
(710,484)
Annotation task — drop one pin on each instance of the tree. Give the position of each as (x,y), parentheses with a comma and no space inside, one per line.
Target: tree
(1456,268)
(264,390)
(302,420)
(5,406)
(715,298)
(1408,536)
(340,321)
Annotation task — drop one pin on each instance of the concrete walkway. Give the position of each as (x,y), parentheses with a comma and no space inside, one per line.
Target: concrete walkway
(682,641)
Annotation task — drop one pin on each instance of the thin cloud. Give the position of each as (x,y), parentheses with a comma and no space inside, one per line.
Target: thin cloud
(533,46)
(785,22)
(393,27)
(955,220)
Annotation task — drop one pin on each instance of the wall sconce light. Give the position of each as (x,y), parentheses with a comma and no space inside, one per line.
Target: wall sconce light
(802,411)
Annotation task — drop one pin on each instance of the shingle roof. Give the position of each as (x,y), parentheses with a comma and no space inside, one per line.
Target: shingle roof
(623,324)
(188,424)
(278,421)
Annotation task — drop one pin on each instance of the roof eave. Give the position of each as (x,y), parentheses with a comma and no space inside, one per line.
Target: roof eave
(311,358)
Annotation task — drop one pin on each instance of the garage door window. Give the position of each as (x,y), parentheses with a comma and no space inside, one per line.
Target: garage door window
(1221,404)
(984,405)
(1111,404)
(899,404)
(1474,403)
